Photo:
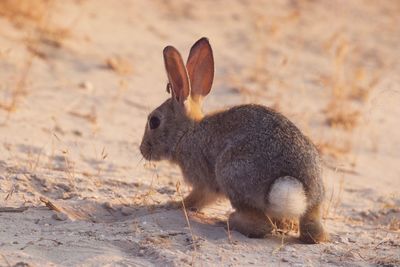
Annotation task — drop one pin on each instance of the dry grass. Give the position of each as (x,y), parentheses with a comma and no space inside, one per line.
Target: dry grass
(338,115)
(283,227)
(331,206)
(143,198)
(280,247)
(32,17)
(334,148)
(120,65)
(22,12)
(34,160)
(194,238)
(228,231)
(267,28)
(394,225)
(19,89)
(69,169)
(349,86)
(91,116)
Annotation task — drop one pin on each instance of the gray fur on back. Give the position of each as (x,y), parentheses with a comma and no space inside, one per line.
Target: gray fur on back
(240,152)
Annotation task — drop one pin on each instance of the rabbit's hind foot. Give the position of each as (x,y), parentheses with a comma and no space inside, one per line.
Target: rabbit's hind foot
(311,229)
(250,223)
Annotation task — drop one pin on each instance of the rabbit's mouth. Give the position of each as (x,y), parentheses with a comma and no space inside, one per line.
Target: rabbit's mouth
(145,150)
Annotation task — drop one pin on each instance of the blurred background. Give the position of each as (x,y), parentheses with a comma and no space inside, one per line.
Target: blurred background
(78,78)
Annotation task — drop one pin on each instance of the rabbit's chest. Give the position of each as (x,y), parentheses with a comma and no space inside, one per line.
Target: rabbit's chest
(200,173)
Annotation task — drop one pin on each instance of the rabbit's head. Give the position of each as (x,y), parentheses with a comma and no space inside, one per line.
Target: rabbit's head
(188,85)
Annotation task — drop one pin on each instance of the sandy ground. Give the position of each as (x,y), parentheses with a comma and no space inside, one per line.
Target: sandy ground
(76,85)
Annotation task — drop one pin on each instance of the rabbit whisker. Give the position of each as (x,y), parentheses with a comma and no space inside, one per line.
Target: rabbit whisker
(140,160)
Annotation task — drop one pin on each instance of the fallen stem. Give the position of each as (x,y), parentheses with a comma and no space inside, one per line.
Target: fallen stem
(11,209)
(50,205)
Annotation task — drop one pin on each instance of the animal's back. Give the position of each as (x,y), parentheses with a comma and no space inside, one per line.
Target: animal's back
(270,143)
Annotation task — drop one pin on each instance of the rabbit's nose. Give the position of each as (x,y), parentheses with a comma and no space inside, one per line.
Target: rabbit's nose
(141,148)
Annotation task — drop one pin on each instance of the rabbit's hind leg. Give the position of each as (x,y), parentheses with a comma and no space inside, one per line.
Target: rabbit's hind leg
(250,223)
(311,229)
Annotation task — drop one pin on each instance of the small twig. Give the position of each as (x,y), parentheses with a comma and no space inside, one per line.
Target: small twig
(229,231)
(274,226)
(188,222)
(340,169)
(5,259)
(355,250)
(70,171)
(9,194)
(11,209)
(36,162)
(151,187)
(380,243)
(142,158)
(50,205)
(361,256)
(280,246)
(30,243)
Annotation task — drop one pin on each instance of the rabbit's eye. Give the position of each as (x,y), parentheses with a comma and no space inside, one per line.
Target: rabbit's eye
(154,122)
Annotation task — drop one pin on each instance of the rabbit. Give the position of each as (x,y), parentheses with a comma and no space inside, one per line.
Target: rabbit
(250,154)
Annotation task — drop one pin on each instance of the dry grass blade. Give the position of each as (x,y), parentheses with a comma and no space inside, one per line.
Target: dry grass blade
(50,204)
(119,65)
(229,231)
(5,259)
(282,244)
(273,224)
(194,239)
(340,169)
(90,117)
(10,192)
(330,209)
(70,170)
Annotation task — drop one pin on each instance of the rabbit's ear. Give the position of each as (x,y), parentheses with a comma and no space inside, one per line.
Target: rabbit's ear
(200,68)
(177,74)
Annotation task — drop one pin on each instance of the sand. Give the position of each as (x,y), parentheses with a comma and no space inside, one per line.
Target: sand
(78,78)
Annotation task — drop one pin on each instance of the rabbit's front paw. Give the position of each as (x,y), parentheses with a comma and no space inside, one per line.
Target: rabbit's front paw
(173,205)
(179,205)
